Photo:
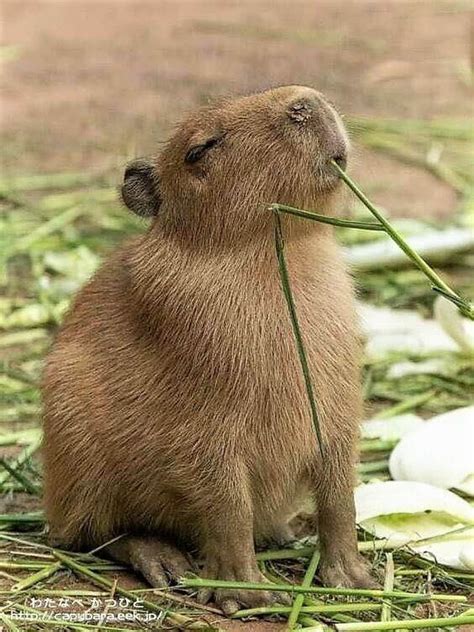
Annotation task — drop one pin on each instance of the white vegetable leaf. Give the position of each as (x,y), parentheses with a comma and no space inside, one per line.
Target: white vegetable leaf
(439,452)
(434,522)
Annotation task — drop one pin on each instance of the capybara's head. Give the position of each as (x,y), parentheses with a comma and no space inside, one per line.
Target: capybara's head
(227,162)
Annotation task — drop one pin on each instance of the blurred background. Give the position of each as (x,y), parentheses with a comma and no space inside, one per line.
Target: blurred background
(89,85)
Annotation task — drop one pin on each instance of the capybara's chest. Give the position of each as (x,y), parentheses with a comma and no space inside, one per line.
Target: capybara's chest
(225,334)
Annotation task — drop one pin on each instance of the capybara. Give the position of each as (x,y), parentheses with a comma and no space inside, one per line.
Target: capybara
(175,407)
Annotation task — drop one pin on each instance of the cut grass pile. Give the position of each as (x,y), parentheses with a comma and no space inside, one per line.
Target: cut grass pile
(55,229)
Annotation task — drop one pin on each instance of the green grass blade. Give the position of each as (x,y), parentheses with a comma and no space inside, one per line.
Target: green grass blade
(467,309)
(326,219)
(285,281)
(299,600)
(173,617)
(199,582)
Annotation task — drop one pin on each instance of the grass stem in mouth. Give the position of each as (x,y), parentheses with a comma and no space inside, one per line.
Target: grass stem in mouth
(439,285)
(285,281)
(326,219)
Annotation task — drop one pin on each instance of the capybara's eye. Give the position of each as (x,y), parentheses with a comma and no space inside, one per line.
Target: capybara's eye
(197,152)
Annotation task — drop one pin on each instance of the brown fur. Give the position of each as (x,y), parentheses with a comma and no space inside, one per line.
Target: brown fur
(174,402)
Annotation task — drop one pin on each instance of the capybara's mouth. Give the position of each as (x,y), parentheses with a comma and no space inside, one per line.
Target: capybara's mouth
(328,178)
(340,160)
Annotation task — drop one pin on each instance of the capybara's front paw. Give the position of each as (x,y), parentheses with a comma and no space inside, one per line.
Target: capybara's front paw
(346,571)
(230,600)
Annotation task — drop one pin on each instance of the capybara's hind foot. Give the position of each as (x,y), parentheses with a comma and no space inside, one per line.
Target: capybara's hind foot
(158,561)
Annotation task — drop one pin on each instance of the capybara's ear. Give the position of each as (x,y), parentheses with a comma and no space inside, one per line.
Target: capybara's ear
(140,188)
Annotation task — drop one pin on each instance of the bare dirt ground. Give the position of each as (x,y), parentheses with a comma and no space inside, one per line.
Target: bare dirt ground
(89,84)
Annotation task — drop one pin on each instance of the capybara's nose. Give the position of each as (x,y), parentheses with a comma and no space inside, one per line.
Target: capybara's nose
(301,110)
(303,103)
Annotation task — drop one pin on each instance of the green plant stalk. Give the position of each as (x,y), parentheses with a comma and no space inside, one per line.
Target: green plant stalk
(325,219)
(285,281)
(22,566)
(457,300)
(175,618)
(441,536)
(438,283)
(45,182)
(312,601)
(323,609)
(36,545)
(25,482)
(54,224)
(307,581)
(436,280)
(24,455)
(370,467)
(407,404)
(430,566)
(285,554)
(405,624)
(358,592)
(168,596)
(20,437)
(308,622)
(377,445)
(307,551)
(453,575)
(21,376)
(32,566)
(9,623)
(41,575)
(22,337)
(386,614)
(34,516)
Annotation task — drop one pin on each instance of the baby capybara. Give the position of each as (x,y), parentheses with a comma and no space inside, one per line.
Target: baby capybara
(175,408)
